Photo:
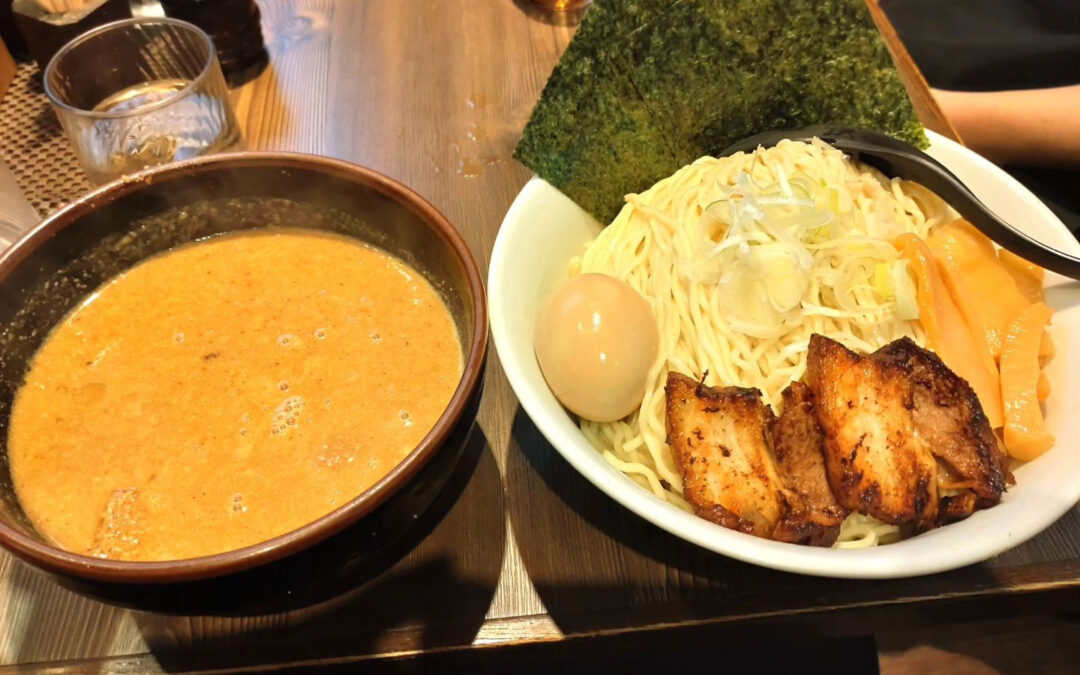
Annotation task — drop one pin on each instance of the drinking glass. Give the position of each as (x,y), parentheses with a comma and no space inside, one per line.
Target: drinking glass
(141,92)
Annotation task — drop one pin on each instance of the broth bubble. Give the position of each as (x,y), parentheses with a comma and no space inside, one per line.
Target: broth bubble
(287,415)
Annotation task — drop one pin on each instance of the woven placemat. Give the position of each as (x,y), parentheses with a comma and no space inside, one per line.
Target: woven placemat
(34,147)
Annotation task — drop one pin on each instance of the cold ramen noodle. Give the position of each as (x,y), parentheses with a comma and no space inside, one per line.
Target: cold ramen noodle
(824,368)
(226,392)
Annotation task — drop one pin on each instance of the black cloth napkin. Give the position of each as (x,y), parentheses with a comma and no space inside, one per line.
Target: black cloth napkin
(994,45)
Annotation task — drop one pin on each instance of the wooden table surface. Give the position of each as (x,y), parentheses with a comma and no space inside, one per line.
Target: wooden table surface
(435,94)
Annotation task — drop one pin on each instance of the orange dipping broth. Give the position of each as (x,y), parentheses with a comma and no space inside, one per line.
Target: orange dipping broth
(226,392)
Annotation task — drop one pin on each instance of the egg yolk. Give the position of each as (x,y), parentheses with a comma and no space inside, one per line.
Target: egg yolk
(596,339)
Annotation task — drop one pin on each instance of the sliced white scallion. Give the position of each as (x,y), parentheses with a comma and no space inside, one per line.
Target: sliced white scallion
(766,246)
(904,292)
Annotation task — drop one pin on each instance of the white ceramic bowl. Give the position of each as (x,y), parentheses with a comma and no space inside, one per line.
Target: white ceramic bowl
(543,229)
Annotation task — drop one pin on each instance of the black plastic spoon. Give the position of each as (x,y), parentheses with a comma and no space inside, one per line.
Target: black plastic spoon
(897,159)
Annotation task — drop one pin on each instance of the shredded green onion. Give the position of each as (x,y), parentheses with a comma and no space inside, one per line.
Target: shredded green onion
(776,239)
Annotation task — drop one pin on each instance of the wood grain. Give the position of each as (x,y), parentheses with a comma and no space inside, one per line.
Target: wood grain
(522,549)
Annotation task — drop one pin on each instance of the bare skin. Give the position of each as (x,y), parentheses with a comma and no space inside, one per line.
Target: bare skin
(1036,126)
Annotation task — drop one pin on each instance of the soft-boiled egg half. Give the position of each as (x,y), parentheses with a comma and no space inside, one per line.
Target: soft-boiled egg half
(596,339)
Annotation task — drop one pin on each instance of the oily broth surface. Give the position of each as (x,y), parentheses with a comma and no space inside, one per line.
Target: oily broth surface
(226,392)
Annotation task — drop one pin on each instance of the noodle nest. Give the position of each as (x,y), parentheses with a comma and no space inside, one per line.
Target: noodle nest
(742,259)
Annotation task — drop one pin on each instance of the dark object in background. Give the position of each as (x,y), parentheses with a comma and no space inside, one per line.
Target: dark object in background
(997,45)
(234,27)
(9,33)
(46,32)
(991,45)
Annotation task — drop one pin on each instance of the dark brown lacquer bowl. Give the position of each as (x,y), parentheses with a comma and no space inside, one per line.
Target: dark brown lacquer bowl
(47,272)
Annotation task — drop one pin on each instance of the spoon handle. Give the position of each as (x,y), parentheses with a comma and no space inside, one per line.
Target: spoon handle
(921,168)
(899,160)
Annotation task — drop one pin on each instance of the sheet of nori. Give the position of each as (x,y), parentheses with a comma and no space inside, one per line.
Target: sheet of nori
(851,80)
(592,135)
(700,70)
(695,76)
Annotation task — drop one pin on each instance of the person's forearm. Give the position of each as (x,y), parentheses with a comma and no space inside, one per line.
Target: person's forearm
(1036,126)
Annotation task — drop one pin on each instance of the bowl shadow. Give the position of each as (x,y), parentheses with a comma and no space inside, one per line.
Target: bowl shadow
(401,577)
(597,566)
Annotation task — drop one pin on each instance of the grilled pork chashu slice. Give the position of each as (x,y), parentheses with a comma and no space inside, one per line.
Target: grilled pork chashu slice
(798,446)
(875,462)
(948,417)
(720,440)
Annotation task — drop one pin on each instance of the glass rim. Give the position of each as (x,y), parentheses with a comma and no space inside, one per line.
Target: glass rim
(125,23)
